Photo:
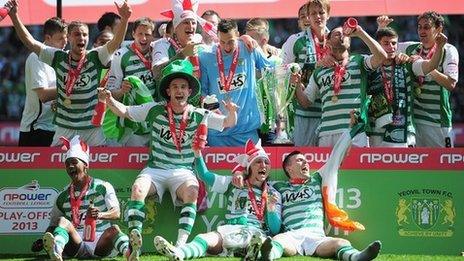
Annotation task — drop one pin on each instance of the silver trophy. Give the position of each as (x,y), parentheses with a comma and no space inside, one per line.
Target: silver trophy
(282,93)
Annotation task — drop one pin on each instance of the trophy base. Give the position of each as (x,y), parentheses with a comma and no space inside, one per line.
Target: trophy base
(282,138)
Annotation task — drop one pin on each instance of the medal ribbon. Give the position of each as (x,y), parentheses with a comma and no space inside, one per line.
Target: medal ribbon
(339,72)
(225,83)
(77,202)
(321,51)
(258,207)
(177,136)
(105,79)
(420,79)
(139,54)
(174,44)
(73,73)
(297,181)
(388,83)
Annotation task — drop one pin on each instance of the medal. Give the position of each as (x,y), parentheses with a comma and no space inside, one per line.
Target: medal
(258,207)
(334,99)
(67,102)
(225,83)
(76,202)
(418,91)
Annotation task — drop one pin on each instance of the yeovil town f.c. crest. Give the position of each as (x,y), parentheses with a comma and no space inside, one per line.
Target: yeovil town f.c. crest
(425,213)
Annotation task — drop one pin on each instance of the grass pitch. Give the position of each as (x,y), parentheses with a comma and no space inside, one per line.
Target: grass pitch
(296,258)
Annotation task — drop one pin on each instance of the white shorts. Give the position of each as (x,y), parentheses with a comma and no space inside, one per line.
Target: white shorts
(93,137)
(87,249)
(359,140)
(431,136)
(235,237)
(304,240)
(170,179)
(306,131)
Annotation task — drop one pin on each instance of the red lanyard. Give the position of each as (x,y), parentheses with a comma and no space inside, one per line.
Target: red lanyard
(321,51)
(73,73)
(387,83)
(225,83)
(339,72)
(105,79)
(145,61)
(177,136)
(77,202)
(297,181)
(258,207)
(421,79)
(174,44)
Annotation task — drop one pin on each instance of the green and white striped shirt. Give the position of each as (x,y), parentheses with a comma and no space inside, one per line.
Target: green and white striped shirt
(100,192)
(336,115)
(125,62)
(83,98)
(295,50)
(432,107)
(163,151)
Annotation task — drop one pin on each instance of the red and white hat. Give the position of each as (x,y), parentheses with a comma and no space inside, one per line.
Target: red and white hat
(187,9)
(252,153)
(76,148)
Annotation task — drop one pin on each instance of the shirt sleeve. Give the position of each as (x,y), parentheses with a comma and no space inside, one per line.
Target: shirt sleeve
(215,121)
(260,59)
(104,55)
(116,74)
(160,52)
(218,183)
(312,90)
(111,200)
(402,46)
(417,67)
(139,113)
(47,54)
(367,62)
(287,50)
(451,62)
(37,72)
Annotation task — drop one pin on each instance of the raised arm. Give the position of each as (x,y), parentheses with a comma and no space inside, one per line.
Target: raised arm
(23,34)
(378,53)
(125,12)
(116,107)
(432,64)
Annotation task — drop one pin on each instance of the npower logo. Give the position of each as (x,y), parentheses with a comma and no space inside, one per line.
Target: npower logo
(19,157)
(399,158)
(28,196)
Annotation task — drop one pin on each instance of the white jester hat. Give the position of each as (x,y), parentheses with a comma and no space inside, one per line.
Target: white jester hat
(76,148)
(187,9)
(252,153)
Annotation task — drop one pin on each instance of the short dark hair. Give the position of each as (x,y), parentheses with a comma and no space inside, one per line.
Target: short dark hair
(54,25)
(210,13)
(385,32)
(286,161)
(143,21)
(227,25)
(169,28)
(436,18)
(331,31)
(107,19)
(75,24)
